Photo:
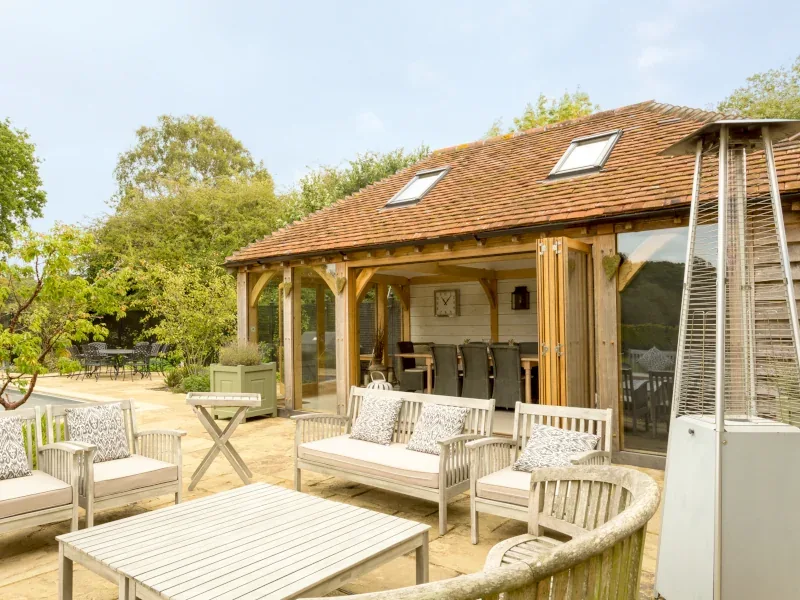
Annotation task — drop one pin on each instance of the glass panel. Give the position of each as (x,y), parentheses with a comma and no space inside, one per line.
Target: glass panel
(651,276)
(419,185)
(367,322)
(578,337)
(270,338)
(586,154)
(318,344)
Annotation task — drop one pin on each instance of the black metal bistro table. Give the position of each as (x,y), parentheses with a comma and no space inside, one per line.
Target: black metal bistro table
(118,356)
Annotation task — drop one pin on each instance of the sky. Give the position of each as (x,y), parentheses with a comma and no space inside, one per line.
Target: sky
(304,84)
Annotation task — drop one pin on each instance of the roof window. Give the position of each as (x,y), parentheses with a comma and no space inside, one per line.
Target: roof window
(421,184)
(586,154)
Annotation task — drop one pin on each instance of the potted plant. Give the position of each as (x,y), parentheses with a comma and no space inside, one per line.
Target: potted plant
(376,364)
(240,369)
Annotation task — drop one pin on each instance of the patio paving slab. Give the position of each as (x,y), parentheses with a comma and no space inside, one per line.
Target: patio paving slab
(28,558)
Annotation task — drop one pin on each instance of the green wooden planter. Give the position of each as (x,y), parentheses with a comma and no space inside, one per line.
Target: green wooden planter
(258,379)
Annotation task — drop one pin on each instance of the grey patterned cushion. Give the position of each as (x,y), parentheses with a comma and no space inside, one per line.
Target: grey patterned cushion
(553,447)
(102,426)
(13,460)
(376,419)
(656,360)
(436,423)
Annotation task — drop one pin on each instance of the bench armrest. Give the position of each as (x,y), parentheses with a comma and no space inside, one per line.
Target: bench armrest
(160,444)
(62,460)
(592,457)
(454,459)
(311,428)
(489,455)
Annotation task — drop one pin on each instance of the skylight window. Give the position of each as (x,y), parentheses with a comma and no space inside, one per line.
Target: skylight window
(586,154)
(421,184)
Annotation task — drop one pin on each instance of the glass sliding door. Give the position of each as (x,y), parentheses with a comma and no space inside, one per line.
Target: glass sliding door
(318,344)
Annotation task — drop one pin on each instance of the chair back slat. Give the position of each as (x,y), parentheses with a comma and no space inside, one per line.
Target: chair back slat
(29,427)
(479,420)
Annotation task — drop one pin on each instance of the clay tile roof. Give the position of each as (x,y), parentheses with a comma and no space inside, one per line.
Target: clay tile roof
(501,183)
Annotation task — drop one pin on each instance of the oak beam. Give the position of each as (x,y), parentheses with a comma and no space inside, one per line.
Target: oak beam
(342,342)
(259,285)
(363,280)
(382,317)
(490,289)
(241,306)
(326,276)
(390,279)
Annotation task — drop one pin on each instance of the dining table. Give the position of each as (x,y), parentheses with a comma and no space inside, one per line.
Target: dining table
(528,362)
(118,356)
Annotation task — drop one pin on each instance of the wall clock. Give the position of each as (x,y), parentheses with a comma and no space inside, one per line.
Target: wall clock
(445,303)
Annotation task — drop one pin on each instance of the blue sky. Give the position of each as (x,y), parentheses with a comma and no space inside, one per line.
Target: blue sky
(307,83)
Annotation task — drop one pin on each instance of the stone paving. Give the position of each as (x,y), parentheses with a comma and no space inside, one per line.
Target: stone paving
(28,558)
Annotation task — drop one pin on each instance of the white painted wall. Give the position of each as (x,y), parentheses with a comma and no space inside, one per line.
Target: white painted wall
(473,319)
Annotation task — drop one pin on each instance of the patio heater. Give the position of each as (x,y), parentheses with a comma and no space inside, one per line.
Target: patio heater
(731,520)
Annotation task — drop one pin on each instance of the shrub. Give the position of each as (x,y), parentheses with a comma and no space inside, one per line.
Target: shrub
(237,353)
(174,377)
(195,383)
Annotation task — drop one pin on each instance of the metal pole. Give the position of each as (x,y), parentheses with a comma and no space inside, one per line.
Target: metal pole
(687,278)
(777,209)
(719,396)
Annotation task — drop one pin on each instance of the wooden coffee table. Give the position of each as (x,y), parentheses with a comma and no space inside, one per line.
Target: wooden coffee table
(259,541)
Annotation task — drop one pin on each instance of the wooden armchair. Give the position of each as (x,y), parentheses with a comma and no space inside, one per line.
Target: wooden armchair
(153,469)
(496,488)
(50,494)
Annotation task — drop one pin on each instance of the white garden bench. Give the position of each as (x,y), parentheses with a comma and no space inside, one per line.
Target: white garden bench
(323,445)
(155,467)
(50,493)
(496,488)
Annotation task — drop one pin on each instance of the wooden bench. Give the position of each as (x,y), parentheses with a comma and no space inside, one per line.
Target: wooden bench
(497,489)
(155,467)
(323,445)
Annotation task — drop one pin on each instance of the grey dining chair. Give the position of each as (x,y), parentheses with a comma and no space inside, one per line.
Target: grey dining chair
(529,347)
(508,382)
(477,381)
(410,377)
(445,362)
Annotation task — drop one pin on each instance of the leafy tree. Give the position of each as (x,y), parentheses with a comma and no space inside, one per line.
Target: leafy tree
(195,224)
(548,110)
(47,305)
(771,94)
(21,193)
(325,185)
(181,151)
(192,307)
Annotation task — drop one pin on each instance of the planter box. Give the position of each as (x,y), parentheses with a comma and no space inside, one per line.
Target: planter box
(258,379)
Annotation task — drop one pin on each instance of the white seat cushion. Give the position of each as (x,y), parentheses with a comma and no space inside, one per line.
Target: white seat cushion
(132,473)
(393,462)
(32,493)
(506,485)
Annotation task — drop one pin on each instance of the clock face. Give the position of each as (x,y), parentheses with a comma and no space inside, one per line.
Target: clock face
(445,303)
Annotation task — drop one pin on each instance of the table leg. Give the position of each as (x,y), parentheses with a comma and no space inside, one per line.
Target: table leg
(225,435)
(221,444)
(423,560)
(126,588)
(527,367)
(429,368)
(64,574)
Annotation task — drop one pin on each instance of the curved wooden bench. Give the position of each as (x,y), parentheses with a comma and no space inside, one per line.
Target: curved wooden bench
(606,509)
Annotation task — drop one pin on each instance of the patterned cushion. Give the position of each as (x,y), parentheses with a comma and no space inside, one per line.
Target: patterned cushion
(102,426)
(376,419)
(656,360)
(553,447)
(13,460)
(436,423)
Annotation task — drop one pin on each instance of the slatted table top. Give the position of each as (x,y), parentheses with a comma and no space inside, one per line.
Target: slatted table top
(255,542)
(222,399)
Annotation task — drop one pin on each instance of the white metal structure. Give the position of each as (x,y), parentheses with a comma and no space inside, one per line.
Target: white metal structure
(730,526)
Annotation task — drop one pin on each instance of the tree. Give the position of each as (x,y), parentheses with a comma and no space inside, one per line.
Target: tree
(181,151)
(21,193)
(195,224)
(194,309)
(325,185)
(548,110)
(47,305)
(771,94)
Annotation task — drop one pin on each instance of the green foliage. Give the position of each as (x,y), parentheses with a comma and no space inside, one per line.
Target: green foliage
(195,224)
(195,383)
(181,151)
(193,307)
(644,337)
(173,377)
(66,365)
(47,305)
(21,193)
(546,111)
(238,353)
(771,94)
(325,185)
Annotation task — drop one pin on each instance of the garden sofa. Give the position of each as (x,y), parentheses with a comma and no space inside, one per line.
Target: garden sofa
(50,493)
(496,488)
(323,445)
(154,467)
